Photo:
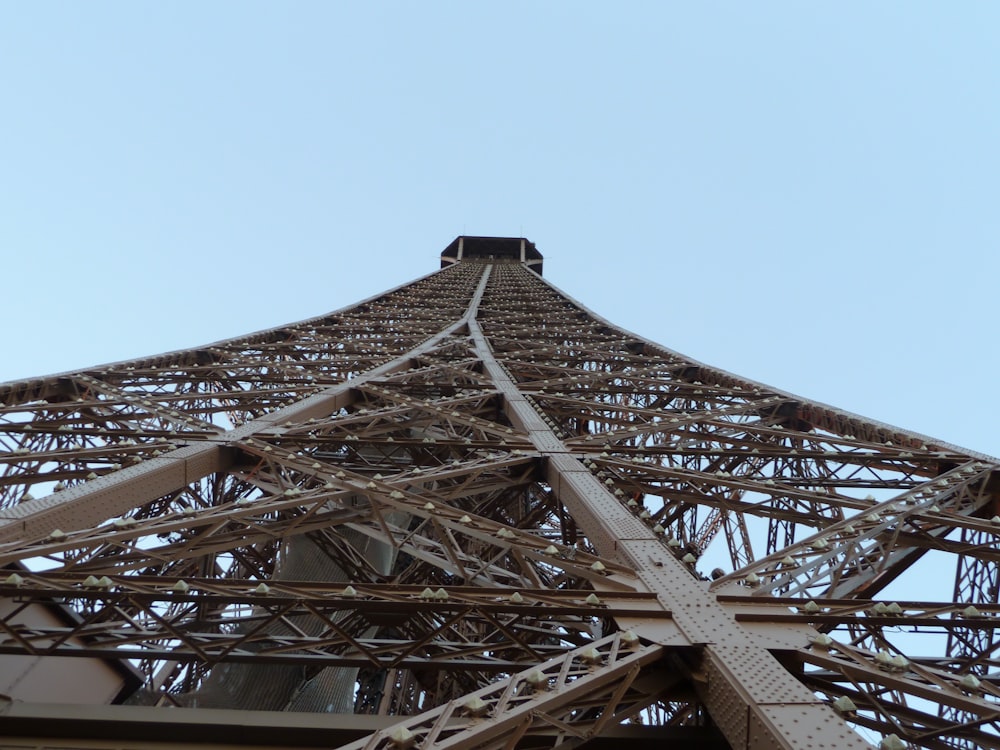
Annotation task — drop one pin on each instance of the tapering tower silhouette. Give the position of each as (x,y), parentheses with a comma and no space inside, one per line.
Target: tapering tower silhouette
(471,513)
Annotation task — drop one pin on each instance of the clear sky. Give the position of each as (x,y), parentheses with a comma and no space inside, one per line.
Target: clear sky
(804,194)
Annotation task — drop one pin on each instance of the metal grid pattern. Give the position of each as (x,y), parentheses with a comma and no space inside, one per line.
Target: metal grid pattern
(476,509)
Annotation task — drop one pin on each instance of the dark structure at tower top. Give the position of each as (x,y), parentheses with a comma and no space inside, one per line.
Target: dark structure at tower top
(498,248)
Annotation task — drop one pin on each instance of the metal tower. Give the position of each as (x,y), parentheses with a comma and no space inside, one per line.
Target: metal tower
(470,513)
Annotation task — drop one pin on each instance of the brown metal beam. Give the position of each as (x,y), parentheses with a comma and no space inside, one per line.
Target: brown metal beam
(147,728)
(747,692)
(131,487)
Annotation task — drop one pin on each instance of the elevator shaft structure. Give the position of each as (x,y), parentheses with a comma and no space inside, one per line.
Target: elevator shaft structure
(471,513)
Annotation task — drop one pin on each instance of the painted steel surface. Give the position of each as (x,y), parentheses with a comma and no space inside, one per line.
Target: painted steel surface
(483,515)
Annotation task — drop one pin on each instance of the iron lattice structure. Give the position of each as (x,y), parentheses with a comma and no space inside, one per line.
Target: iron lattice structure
(471,513)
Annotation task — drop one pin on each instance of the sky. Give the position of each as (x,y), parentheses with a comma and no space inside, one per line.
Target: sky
(805,194)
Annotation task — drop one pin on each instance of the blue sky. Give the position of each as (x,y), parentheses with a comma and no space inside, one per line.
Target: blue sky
(801,193)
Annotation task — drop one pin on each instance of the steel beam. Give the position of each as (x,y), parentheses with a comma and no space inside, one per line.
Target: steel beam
(749,695)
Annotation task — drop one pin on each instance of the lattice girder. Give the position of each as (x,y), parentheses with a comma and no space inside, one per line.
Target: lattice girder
(493,482)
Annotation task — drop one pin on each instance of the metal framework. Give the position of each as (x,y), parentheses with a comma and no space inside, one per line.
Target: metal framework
(471,513)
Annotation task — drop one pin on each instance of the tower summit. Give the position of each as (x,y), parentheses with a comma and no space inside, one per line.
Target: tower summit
(509,249)
(471,513)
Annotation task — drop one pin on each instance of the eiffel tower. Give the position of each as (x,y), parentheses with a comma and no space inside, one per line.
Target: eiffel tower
(470,513)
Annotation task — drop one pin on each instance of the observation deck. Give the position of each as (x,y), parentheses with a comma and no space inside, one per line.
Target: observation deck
(516,249)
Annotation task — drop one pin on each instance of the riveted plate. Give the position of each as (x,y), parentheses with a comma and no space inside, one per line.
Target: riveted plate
(813,727)
(771,682)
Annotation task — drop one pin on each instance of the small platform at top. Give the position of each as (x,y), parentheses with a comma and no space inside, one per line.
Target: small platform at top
(508,249)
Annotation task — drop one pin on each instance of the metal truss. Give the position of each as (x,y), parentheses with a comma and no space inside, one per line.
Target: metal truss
(485,517)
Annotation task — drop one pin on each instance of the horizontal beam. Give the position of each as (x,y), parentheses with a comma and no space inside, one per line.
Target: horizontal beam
(147,727)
